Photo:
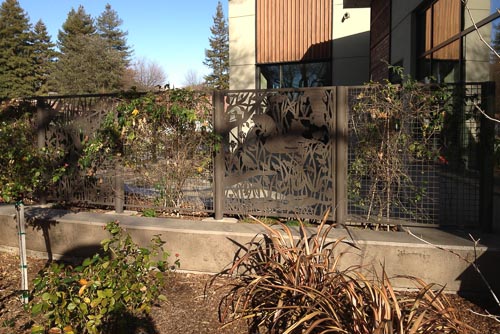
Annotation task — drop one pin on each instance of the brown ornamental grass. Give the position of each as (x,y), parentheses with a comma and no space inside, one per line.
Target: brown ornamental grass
(293,281)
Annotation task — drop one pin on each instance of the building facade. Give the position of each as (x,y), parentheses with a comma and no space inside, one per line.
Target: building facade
(445,40)
(449,41)
(298,43)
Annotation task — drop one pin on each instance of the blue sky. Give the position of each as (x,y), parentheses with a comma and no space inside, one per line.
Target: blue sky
(171,33)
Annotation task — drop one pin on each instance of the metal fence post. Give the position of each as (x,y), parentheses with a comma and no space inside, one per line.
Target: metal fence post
(486,163)
(219,166)
(341,112)
(20,218)
(119,188)
(41,125)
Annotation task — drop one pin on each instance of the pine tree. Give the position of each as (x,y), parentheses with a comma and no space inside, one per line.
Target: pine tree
(108,24)
(217,57)
(77,23)
(44,58)
(16,73)
(88,67)
(89,62)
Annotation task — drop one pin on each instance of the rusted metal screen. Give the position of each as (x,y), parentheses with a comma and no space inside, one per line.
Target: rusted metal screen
(279,152)
(282,155)
(66,123)
(293,30)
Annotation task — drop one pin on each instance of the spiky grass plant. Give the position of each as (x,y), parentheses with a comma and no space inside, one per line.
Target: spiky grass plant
(290,282)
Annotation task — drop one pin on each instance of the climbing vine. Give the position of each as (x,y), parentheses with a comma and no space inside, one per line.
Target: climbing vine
(395,127)
(162,140)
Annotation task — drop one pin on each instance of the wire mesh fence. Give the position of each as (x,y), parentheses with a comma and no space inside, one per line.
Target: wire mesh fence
(393,181)
(459,172)
(391,175)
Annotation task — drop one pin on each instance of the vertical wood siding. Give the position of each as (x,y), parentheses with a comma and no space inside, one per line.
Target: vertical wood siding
(293,30)
(442,23)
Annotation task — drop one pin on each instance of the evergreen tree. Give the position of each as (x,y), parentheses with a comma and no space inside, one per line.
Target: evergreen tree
(77,23)
(89,66)
(44,58)
(217,57)
(16,73)
(89,62)
(108,24)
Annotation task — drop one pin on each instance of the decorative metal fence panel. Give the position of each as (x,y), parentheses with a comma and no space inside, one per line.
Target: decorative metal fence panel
(66,123)
(279,152)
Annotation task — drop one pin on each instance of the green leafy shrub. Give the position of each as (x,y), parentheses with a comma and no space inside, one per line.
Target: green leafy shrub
(25,169)
(148,212)
(294,284)
(104,291)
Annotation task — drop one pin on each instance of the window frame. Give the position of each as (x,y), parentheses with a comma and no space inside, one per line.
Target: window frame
(259,75)
(421,35)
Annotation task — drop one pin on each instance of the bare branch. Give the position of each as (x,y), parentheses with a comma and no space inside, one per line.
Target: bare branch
(476,105)
(148,74)
(487,315)
(465,2)
(439,247)
(472,263)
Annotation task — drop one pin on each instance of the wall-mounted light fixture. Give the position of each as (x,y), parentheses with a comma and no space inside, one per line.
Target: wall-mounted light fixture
(346,16)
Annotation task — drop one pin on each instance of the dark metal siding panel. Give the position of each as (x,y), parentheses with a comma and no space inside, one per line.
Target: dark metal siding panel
(380,46)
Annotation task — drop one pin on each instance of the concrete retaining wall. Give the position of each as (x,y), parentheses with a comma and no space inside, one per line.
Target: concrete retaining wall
(211,246)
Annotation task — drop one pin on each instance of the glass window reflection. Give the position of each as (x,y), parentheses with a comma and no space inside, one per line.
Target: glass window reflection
(295,75)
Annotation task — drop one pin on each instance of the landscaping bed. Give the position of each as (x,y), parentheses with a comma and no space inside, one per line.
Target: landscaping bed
(190,308)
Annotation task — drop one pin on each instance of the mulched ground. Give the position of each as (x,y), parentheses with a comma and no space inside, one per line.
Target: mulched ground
(190,307)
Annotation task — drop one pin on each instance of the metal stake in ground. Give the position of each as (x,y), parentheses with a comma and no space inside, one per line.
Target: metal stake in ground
(22,250)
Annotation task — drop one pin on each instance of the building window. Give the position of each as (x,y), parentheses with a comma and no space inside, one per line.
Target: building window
(295,75)
(439,58)
(449,47)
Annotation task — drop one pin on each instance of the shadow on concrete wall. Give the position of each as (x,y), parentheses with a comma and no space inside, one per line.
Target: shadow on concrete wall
(480,282)
(42,219)
(351,59)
